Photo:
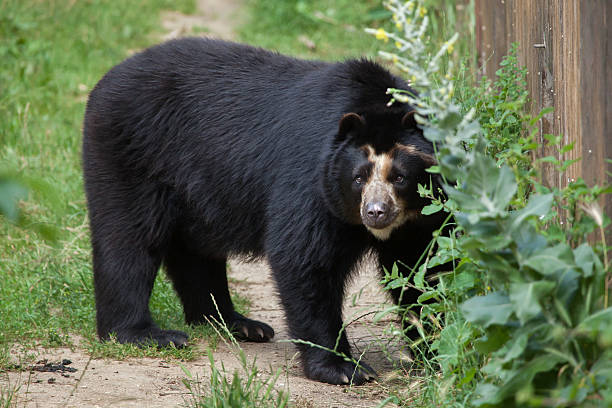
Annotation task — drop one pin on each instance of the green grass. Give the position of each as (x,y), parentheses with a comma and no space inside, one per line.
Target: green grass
(51,55)
(247,387)
(334,27)
(8,395)
(242,388)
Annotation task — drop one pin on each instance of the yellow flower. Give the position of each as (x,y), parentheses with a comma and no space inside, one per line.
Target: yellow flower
(382,35)
(422,11)
(413,79)
(450,48)
(395,59)
(398,25)
(410,5)
(398,44)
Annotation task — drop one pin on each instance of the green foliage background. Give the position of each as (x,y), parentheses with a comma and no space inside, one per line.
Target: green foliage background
(525,311)
(51,55)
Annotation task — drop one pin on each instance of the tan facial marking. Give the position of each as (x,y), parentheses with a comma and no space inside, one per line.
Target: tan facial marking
(379,188)
(407,148)
(377,181)
(427,158)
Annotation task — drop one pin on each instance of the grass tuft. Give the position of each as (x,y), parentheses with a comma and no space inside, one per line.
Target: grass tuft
(51,55)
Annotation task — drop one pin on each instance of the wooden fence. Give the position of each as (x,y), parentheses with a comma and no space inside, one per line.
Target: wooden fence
(566,46)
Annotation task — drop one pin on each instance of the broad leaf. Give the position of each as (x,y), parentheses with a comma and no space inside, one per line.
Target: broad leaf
(487,394)
(569,280)
(451,118)
(419,277)
(467,202)
(494,308)
(452,340)
(494,186)
(513,348)
(597,322)
(519,379)
(538,205)
(526,298)
(487,189)
(551,260)
(465,278)
(493,340)
(587,261)
(427,295)
(528,241)
(431,209)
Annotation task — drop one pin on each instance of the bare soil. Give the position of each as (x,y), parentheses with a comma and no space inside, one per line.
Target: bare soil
(70,378)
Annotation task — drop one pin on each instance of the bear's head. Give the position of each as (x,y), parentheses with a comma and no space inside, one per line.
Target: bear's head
(371,174)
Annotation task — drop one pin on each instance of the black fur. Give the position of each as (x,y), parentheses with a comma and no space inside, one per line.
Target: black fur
(197,149)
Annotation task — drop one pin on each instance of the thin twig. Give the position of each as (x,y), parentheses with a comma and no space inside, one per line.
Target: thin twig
(81,376)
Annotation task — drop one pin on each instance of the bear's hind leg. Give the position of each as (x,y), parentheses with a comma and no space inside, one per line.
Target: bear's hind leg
(197,280)
(124,277)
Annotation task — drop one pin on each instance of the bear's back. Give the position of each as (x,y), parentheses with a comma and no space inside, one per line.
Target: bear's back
(225,126)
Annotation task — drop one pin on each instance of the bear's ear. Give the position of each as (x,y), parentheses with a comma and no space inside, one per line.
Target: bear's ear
(408,121)
(350,122)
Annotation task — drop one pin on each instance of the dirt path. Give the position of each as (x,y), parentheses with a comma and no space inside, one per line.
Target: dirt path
(156,383)
(147,382)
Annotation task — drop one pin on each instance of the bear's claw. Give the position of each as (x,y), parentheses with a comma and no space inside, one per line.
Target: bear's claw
(341,373)
(245,329)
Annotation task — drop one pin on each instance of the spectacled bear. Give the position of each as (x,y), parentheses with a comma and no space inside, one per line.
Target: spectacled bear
(197,150)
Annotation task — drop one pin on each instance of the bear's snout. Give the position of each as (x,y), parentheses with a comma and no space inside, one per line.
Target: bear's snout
(377,215)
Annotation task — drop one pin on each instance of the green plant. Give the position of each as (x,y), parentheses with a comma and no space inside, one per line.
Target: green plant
(527,320)
(246,389)
(8,395)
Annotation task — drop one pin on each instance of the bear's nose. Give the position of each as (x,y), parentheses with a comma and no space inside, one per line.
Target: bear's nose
(377,211)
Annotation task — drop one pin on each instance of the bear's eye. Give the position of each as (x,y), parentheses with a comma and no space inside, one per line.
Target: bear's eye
(358,179)
(399,179)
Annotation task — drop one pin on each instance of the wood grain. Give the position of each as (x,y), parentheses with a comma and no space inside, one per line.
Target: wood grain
(566,46)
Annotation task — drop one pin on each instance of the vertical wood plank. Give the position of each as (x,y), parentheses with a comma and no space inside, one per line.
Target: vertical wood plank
(595,92)
(568,110)
(484,35)
(572,73)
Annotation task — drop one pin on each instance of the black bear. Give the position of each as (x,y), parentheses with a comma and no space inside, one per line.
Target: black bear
(198,149)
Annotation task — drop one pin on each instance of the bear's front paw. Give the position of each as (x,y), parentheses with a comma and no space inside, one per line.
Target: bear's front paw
(162,338)
(249,330)
(342,372)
